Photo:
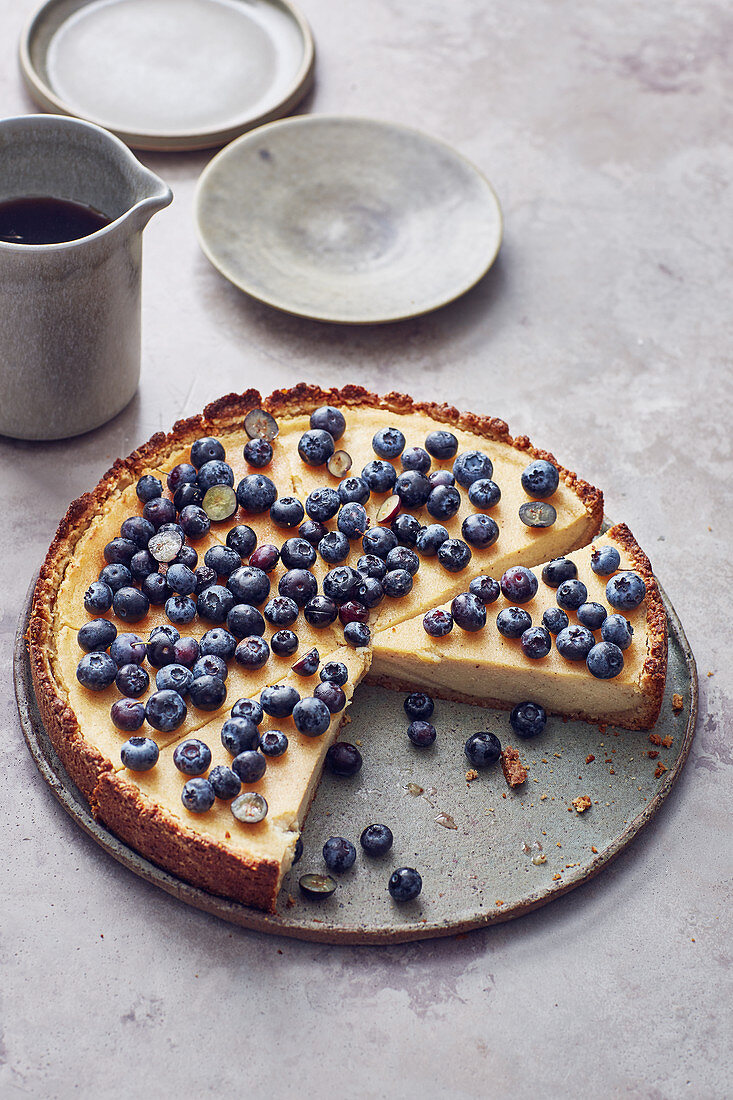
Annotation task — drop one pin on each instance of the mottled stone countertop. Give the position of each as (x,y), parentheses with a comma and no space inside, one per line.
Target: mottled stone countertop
(603,332)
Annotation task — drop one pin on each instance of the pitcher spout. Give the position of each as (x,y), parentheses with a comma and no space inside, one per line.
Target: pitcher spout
(154,195)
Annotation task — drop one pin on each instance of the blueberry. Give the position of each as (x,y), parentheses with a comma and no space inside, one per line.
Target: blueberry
(605,560)
(297,851)
(186,651)
(273,743)
(512,622)
(379,475)
(443,501)
(376,840)
(341,583)
(605,660)
(284,643)
(403,558)
(215,472)
(180,609)
(188,496)
(486,588)
(379,541)
(397,583)
(192,757)
(225,783)
(205,577)
(281,611)
(249,584)
(132,680)
(480,530)
(248,708)
(343,759)
(166,543)
(239,735)
(223,560)
(441,444)
(571,594)
(540,479)
(357,635)
(251,807)
(454,555)
(438,623)
(625,591)
(441,477)
(370,565)
(278,701)
(413,489)
(430,539)
(471,466)
(256,494)
(482,749)
(215,603)
(536,642)
(537,514)
(258,452)
(299,585)
(168,632)
(574,643)
(127,649)
(484,493)
(142,564)
(165,711)
(307,665)
(127,714)
(418,705)
(297,553)
(334,672)
(405,883)
(328,419)
(616,629)
(186,556)
(559,570)
(555,619)
(181,474)
(181,580)
(242,622)
(207,692)
(352,520)
(99,634)
(116,576)
(468,611)
(320,611)
(370,592)
(206,449)
(96,671)
(388,443)
(174,678)
(421,733)
(315,447)
(249,766)
(528,719)
(138,530)
(332,695)
(518,584)
(591,615)
(148,488)
(353,489)
(209,665)
(242,539)
(312,530)
(334,547)
(339,854)
(119,551)
(158,511)
(406,528)
(311,716)
(287,512)
(160,649)
(139,754)
(198,795)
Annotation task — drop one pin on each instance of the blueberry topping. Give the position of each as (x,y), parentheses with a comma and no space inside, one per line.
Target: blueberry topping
(625,591)
(317,887)
(192,757)
(148,488)
(574,643)
(166,711)
(139,754)
(571,594)
(239,735)
(397,583)
(332,695)
(208,692)
(249,808)
(468,611)
(388,443)
(352,520)
(242,539)
(334,547)
(299,585)
(413,489)
(616,629)
(312,530)
(370,565)
(180,610)
(198,795)
(99,634)
(311,716)
(334,672)
(322,504)
(540,479)
(421,733)
(119,551)
(559,570)
(242,622)
(484,493)
(264,559)
(258,453)
(206,449)
(482,749)
(320,611)
(284,643)
(142,564)
(96,671)
(518,584)
(278,701)
(127,714)
(315,447)
(248,708)
(512,622)
(430,539)
(415,458)
(605,660)
(379,541)
(209,665)
(181,580)
(605,560)
(536,642)
(328,419)
(401,557)
(160,649)
(343,759)
(189,495)
(158,511)
(215,472)
(215,603)
(454,555)
(353,489)
(249,584)
(259,424)
(370,592)
(441,444)
(273,743)
(132,680)
(127,649)
(287,512)
(205,577)
(528,719)
(174,678)
(592,615)
(339,463)
(116,577)
(249,766)
(537,513)
(471,466)
(166,543)
(220,503)
(406,528)
(405,883)
(182,474)
(223,560)
(480,530)
(341,584)
(186,651)
(297,851)
(437,623)
(281,611)
(138,530)
(256,493)
(357,635)
(441,477)
(486,588)
(376,839)
(225,783)
(379,475)
(339,854)
(443,502)
(555,619)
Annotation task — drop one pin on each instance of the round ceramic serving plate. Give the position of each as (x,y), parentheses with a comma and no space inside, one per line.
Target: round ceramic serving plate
(347,219)
(478,845)
(169,74)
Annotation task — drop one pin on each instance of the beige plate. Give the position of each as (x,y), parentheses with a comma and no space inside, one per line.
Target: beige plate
(347,219)
(169,74)
(480,872)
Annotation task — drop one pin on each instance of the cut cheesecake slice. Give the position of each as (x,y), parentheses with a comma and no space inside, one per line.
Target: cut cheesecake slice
(489,669)
(213,850)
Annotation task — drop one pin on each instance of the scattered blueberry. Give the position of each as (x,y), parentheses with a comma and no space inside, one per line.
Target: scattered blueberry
(468,611)
(206,449)
(97,635)
(413,489)
(132,680)
(625,591)
(454,555)
(215,472)
(249,584)
(441,444)
(328,419)
(574,643)
(119,551)
(605,560)
(116,576)
(354,489)
(207,692)
(138,530)
(148,488)
(307,665)
(127,714)
(248,708)
(180,610)
(379,475)
(249,766)
(166,543)
(243,621)
(198,795)
(591,615)
(388,443)
(430,539)
(540,479)
(352,520)
(182,474)
(397,583)
(186,651)
(158,511)
(379,541)
(284,643)
(559,570)
(312,530)
(518,584)
(536,642)
(480,530)
(441,477)
(406,528)
(470,466)
(222,559)
(96,671)
(215,602)
(297,553)
(571,594)
(287,512)
(486,588)
(209,665)
(166,711)
(405,883)
(415,458)
(418,705)
(512,622)
(225,783)
(332,695)
(334,672)
(188,495)
(239,735)
(142,564)
(555,619)
(242,539)
(370,565)
(528,719)
(482,749)
(605,660)
(317,887)
(443,501)
(192,757)
(258,453)
(537,514)
(437,623)
(249,808)
(334,547)
(299,585)
(352,611)
(180,579)
(281,611)
(357,635)
(339,854)
(259,424)
(376,839)
(139,754)
(370,592)
(421,733)
(297,851)
(320,611)
(278,700)
(218,642)
(273,743)
(315,447)
(205,577)
(618,630)
(484,493)
(256,493)
(174,678)
(343,759)
(311,716)
(220,503)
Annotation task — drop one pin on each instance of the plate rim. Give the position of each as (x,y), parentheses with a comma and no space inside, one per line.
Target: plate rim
(44,95)
(325,315)
(273,924)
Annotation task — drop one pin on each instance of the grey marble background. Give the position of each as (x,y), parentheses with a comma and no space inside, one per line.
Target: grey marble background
(604,332)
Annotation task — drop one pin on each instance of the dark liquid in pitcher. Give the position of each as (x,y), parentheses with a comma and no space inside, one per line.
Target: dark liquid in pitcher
(47,221)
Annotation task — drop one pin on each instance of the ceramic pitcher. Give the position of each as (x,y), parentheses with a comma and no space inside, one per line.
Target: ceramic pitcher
(70,313)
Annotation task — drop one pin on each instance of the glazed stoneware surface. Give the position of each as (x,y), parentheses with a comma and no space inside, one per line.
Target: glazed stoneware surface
(603,332)
(347,219)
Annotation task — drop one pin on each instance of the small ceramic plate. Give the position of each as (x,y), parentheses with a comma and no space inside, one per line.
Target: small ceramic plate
(347,219)
(169,74)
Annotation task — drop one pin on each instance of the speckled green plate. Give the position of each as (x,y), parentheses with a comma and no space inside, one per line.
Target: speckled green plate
(478,845)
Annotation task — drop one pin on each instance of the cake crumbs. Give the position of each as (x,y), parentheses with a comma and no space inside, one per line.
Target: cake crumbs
(582,803)
(499,901)
(677,701)
(358,742)
(543,797)
(345,721)
(290,902)
(514,770)
(660,770)
(228,835)
(545,761)
(655,739)
(589,758)
(594,850)
(667,741)
(556,876)
(471,774)
(652,753)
